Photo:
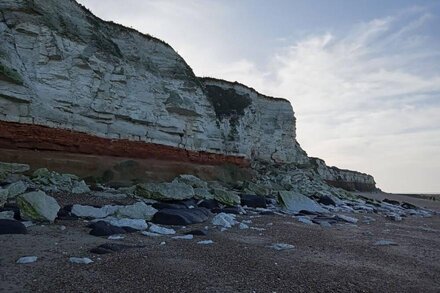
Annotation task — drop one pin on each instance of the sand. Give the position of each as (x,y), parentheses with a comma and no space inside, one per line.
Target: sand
(342,258)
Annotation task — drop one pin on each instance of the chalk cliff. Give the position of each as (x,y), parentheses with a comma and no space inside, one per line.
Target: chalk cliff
(72,82)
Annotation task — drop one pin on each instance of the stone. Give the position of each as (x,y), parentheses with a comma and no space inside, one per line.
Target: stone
(346,219)
(168,205)
(385,243)
(229,210)
(282,246)
(205,242)
(27,259)
(13,168)
(295,202)
(184,237)
(8,215)
(394,217)
(135,224)
(192,181)
(165,191)
(202,193)
(3,196)
(256,189)
(209,204)
(391,201)
(304,220)
(226,197)
(83,211)
(12,227)
(113,247)
(15,189)
(161,230)
(80,260)
(150,234)
(139,210)
(102,228)
(224,220)
(80,187)
(198,232)
(181,217)
(253,201)
(37,206)
(243,226)
(328,199)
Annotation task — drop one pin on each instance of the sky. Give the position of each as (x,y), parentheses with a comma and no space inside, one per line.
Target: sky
(363,76)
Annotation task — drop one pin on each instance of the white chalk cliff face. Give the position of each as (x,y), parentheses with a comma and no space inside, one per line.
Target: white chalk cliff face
(62,67)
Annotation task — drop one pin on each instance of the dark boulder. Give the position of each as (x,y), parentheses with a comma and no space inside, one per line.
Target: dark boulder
(12,227)
(391,201)
(181,217)
(102,228)
(209,204)
(198,232)
(253,201)
(407,205)
(112,247)
(12,207)
(228,210)
(326,200)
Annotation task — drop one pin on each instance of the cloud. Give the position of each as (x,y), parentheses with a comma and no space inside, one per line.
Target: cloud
(366,99)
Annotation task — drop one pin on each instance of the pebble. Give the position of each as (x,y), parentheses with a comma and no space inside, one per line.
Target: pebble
(163,243)
(80,260)
(161,230)
(205,242)
(27,259)
(282,246)
(184,237)
(151,234)
(243,226)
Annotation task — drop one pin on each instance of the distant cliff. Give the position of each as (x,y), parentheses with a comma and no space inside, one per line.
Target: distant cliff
(109,89)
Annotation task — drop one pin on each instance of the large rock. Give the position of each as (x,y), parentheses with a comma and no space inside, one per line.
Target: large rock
(202,193)
(253,188)
(224,220)
(3,196)
(226,197)
(135,224)
(103,228)
(138,210)
(16,188)
(8,226)
(93,212)
(295,202)
(37,206)
(12,168)
(181,216)
(165,191)
(192,181)
(253,201)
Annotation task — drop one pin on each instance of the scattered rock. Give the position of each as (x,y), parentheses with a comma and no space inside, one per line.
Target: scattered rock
(184,237)
(228,198)
(15,189)
(391,201)
(346,219)
(203,232)
(253,201)
(165,191)
(296,202)
(243,226)
(138,210)
(80,187)
(394,217)
(224,220)
(385,243)
(93,212)
(282,246)
(135,224)
(209,204)
(202,193)
(150,234)
(161,230)
(181,217)
(112,247)
(8,215)
(205,242)
(191,180)
(304,220)
(102,228)
(27,259)
(12,168)
(80,260)
(37,206)
(329,199)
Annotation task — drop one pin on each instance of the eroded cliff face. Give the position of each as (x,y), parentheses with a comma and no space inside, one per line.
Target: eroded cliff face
(62,68)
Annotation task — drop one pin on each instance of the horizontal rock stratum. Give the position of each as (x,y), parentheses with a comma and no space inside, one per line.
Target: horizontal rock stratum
(72,82)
